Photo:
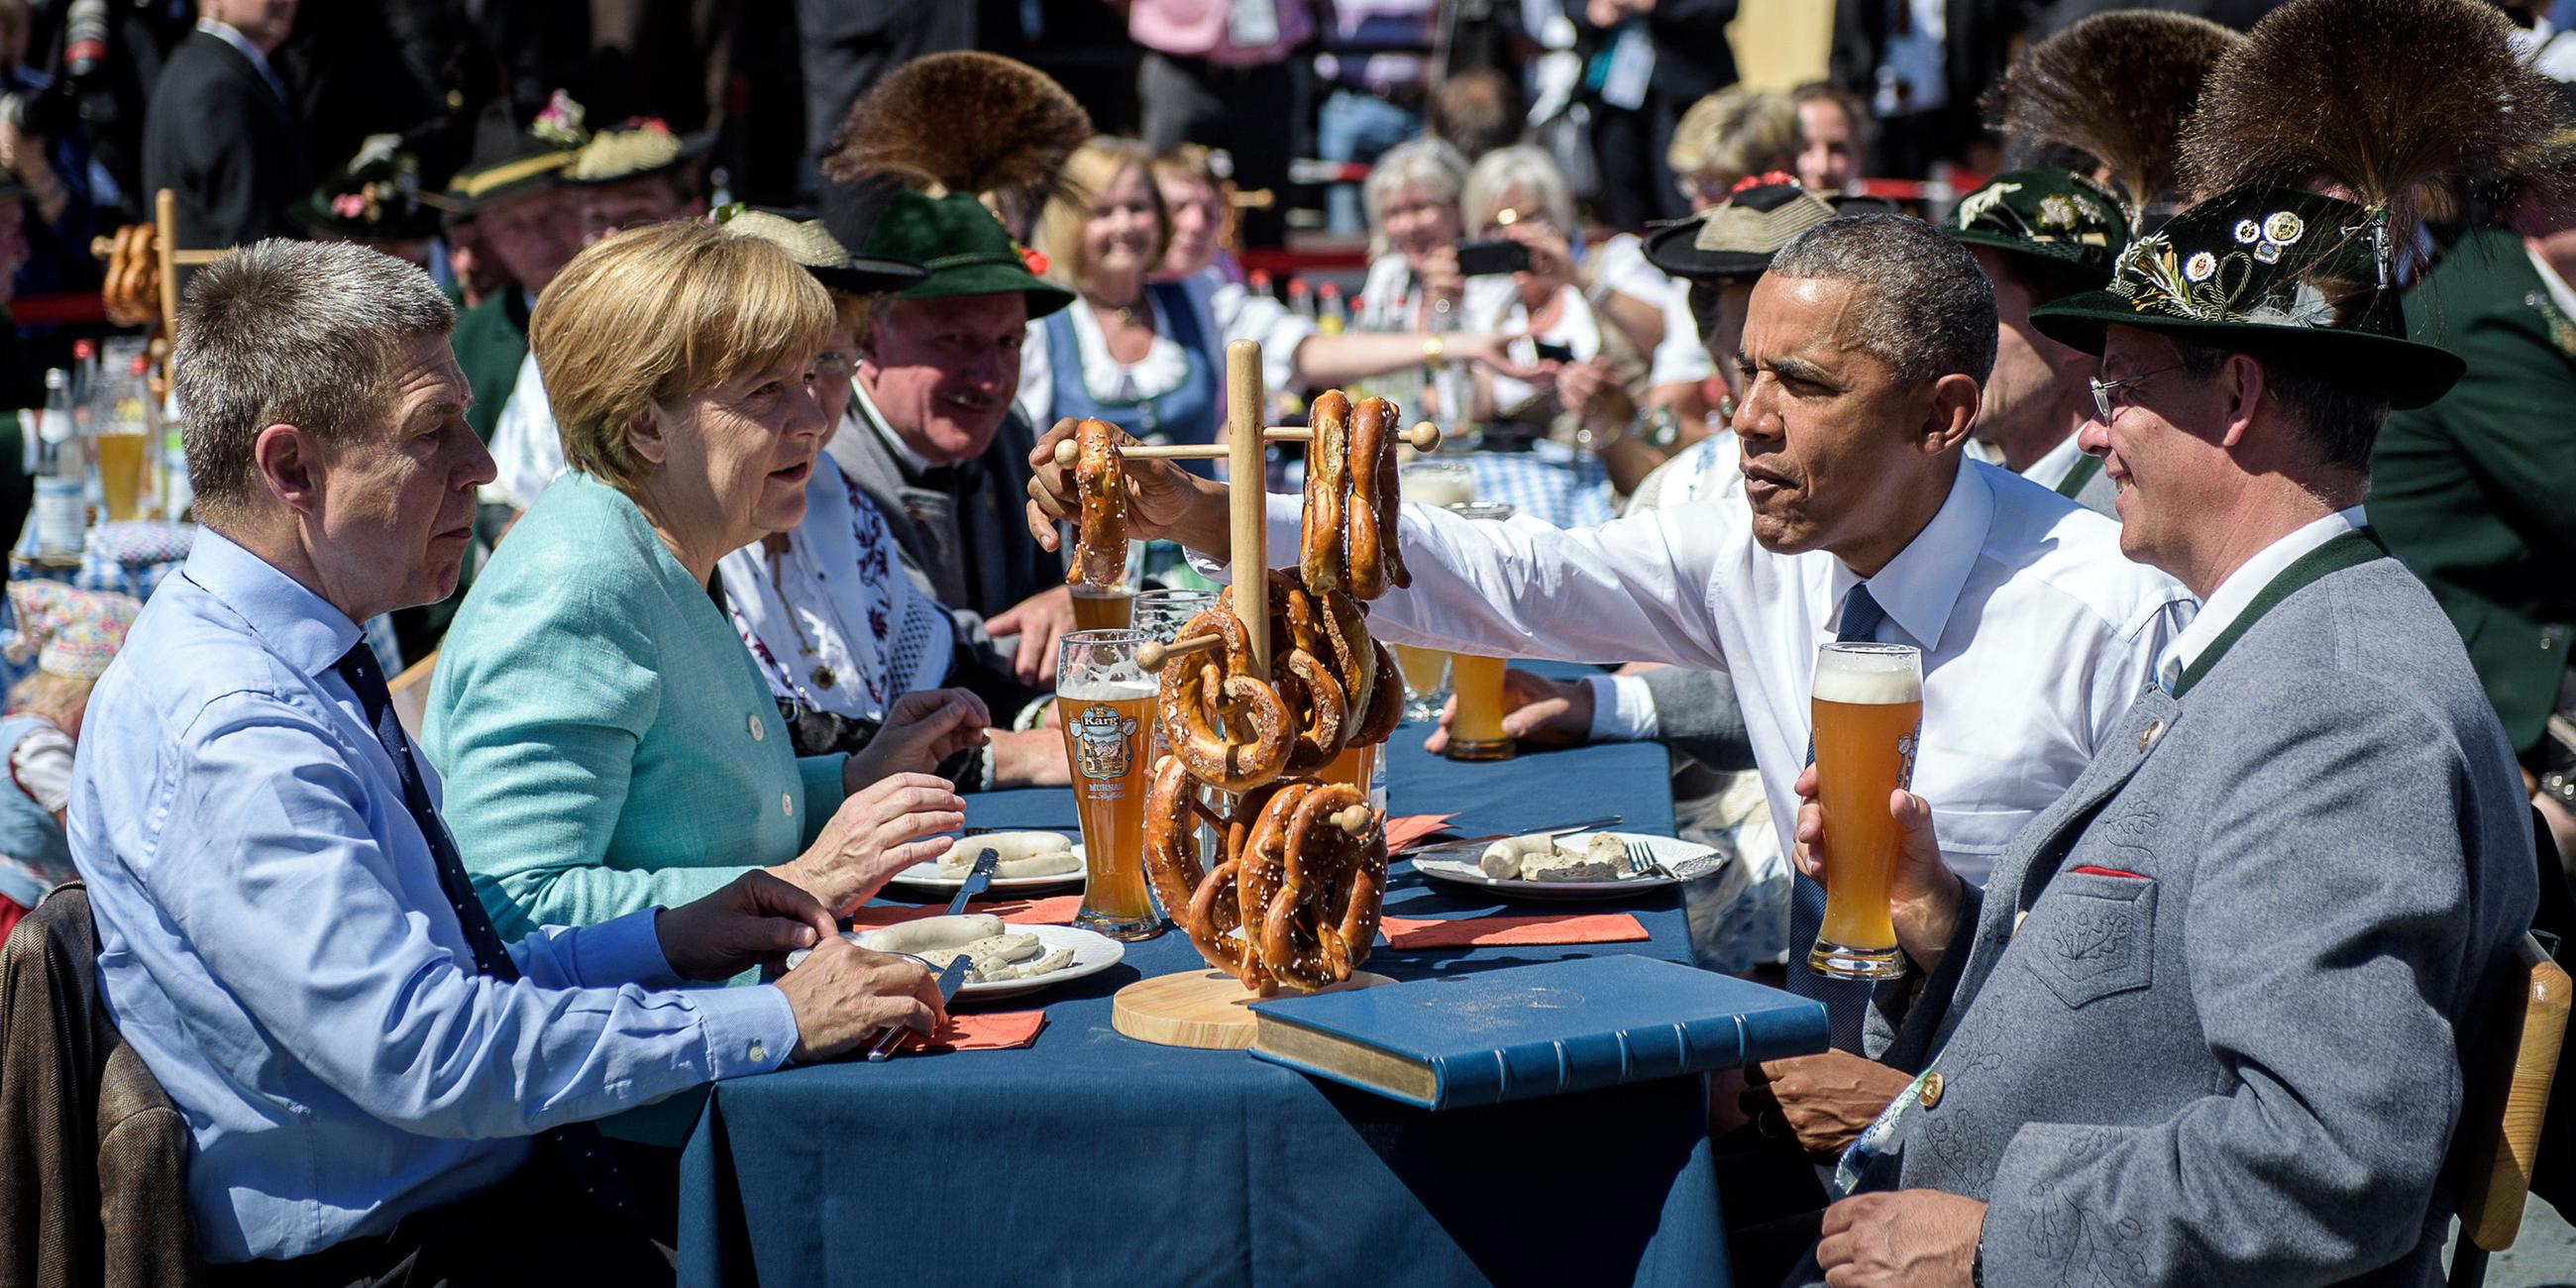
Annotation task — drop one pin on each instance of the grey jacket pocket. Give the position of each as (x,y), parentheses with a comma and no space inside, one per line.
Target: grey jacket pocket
(2091,936)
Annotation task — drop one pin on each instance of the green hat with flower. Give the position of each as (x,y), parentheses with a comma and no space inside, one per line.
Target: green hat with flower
(2061,221)
(634,149)
(376,197)
(2323,140)
(964,247)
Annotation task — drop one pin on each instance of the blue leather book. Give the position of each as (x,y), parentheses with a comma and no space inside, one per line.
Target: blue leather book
(1522,1032)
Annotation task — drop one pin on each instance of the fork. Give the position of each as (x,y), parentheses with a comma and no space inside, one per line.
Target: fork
(1642,861)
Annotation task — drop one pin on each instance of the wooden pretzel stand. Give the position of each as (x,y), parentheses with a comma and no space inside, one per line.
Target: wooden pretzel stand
(1211,1009)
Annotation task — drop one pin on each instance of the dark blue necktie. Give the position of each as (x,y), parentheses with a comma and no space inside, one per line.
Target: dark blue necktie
(1846,1001)
(577,1146)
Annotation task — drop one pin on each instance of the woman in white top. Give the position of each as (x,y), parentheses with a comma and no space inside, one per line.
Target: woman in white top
(1517,194)
(1148,356)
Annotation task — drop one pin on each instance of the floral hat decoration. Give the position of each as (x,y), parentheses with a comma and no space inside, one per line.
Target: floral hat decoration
(2323,144)
(375,197)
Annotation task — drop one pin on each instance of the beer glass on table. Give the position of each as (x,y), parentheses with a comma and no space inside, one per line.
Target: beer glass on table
(1476,727)
(1868,716)
(1426,670)
(1105,704)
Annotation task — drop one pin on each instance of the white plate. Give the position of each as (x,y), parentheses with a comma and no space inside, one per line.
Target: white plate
(928,876)
(1092,954)
(1457,865)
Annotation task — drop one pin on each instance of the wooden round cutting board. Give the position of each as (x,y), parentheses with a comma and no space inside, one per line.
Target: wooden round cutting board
(1206,1009)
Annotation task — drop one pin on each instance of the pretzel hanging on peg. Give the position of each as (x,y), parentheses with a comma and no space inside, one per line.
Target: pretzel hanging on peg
(1100,551)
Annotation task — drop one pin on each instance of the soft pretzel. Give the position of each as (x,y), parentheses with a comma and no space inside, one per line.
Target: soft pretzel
(1100,554)
(1354,658)
(1320,556)
(1317,706)
(1369,522)
(1226,724)
(1323,920)
(1375,719)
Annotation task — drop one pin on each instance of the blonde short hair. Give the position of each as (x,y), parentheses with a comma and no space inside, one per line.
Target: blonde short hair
(659,313)
(1735,132)
(1088,173)
(59,698)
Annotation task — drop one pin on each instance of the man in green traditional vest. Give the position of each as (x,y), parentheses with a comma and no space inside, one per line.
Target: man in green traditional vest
(2473,491)
(512,189)
(624,176)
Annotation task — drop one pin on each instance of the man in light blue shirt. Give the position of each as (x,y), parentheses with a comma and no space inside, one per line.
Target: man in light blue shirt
(286,934)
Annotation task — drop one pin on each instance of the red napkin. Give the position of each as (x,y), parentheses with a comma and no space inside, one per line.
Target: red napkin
(1401,832)
(1001,1032)
(1515,930)
(1058,911)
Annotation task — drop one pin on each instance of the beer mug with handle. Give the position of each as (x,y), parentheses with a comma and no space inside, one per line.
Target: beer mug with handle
(1105,704)
(1868,716)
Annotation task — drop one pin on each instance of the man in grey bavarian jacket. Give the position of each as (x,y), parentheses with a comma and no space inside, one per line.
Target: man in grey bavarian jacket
(2211,1017)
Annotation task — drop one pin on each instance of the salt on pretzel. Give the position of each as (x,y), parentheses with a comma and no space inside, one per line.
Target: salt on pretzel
(1320,554)
(1322,921)
(1226,724)
(1369,540)
(1100,552)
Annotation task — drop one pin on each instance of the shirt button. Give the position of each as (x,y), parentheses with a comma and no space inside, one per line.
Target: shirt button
(1931,1090)
(759,1054)
(759,732)
(787,805)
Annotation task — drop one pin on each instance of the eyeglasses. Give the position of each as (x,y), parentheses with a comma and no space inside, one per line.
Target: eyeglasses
(2102,400)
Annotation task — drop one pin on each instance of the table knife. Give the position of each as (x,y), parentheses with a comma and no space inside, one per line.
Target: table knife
(949,979)
(977,881)
(1026,827)
(1587,825)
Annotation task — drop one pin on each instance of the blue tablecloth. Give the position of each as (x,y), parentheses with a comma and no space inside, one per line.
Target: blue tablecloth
(1550,482)
(1091,1158)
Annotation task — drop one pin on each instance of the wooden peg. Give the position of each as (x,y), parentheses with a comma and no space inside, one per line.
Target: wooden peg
(1353,819)
(1150,655)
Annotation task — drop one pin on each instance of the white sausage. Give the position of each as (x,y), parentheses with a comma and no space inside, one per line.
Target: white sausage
(932,934)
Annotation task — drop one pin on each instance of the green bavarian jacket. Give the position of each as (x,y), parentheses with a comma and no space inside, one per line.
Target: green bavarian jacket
(2472,492)
(490,340)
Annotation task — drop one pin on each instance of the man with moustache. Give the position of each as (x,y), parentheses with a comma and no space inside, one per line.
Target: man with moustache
(938,448)
(1863,350)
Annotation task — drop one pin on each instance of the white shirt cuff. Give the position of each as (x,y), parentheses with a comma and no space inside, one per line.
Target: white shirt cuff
(749,1030)
(623,950)
(1623,708)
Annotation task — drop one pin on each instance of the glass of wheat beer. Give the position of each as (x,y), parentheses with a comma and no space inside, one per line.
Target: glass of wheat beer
(1869,712)
(1105,703)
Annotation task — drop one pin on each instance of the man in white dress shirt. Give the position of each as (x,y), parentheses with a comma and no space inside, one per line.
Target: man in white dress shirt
(1864,350)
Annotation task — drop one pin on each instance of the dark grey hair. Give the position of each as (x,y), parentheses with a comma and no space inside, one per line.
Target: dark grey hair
(295,333)
(1924,307)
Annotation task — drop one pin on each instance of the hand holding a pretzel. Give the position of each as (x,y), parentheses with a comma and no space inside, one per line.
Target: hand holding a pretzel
(1163,501)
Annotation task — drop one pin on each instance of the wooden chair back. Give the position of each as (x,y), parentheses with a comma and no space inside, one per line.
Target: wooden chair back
(2504,1141)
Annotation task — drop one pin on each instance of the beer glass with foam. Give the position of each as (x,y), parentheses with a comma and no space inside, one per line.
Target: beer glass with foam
(1868,716)
(1105,704)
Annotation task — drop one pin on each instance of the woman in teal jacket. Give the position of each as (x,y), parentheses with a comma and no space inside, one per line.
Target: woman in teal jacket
(606,741)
